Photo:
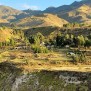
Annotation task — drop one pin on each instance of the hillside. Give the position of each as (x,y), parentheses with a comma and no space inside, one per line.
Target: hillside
(78,11)
(6,10)
(4,21)
(80,14)
(32,12)
(8,14)
(41,20)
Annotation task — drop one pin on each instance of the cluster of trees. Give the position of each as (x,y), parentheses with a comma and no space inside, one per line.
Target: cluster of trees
(39,49)
(19,32)
(21,36)
(79,57)
(73,25)
(11,42)
(36,41)
(73,41)
(62,40)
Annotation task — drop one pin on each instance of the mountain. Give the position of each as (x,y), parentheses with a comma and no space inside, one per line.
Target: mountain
(67,8)
(7,13)
(81,14)
(78,11)
(6,10)
(32,12)
(41,20)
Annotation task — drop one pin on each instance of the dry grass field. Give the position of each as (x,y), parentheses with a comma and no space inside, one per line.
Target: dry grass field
(55,60)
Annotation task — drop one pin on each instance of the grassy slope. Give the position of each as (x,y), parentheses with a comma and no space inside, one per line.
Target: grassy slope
(5,34)
(41,21)
(46,31)
(79,14)
(7,13)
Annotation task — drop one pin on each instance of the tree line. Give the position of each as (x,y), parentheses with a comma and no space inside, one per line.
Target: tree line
(73,41)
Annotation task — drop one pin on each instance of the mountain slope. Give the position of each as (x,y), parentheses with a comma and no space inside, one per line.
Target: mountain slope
(41,20)
(8,14)
(32,12)
(6,10)
(80,14)
(76,12)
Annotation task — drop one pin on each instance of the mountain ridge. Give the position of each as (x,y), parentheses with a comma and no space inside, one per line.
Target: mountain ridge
(78,11)
(41,20)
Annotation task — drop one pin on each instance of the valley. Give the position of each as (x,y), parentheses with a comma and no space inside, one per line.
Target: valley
(46,50)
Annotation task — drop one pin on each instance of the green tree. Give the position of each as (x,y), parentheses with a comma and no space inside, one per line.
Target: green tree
(12,42)
(81,40)
(34,39)
(40,36)
(88,43)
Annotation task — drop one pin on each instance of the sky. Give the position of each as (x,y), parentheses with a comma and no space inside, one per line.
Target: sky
(35,4)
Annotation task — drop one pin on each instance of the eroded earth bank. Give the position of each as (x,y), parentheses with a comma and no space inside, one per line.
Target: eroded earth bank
(15,79)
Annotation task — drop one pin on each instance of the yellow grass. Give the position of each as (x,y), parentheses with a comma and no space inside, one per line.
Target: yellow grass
(51,61)
(5,34)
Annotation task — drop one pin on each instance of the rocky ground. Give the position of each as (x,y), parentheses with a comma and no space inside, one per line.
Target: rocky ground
(15,79)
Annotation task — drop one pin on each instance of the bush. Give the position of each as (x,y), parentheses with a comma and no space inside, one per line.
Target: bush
(38,49)
(79,58)
(75,58)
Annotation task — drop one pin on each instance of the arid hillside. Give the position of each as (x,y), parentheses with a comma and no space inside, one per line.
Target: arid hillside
(41,20)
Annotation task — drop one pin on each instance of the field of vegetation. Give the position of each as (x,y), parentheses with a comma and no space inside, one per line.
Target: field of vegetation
(58,50)
(59,59)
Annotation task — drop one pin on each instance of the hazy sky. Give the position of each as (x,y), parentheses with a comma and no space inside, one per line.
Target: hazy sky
(35,4)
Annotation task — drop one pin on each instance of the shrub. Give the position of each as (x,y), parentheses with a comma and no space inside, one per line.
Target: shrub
(79,58)
(38,49)
(75,58)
